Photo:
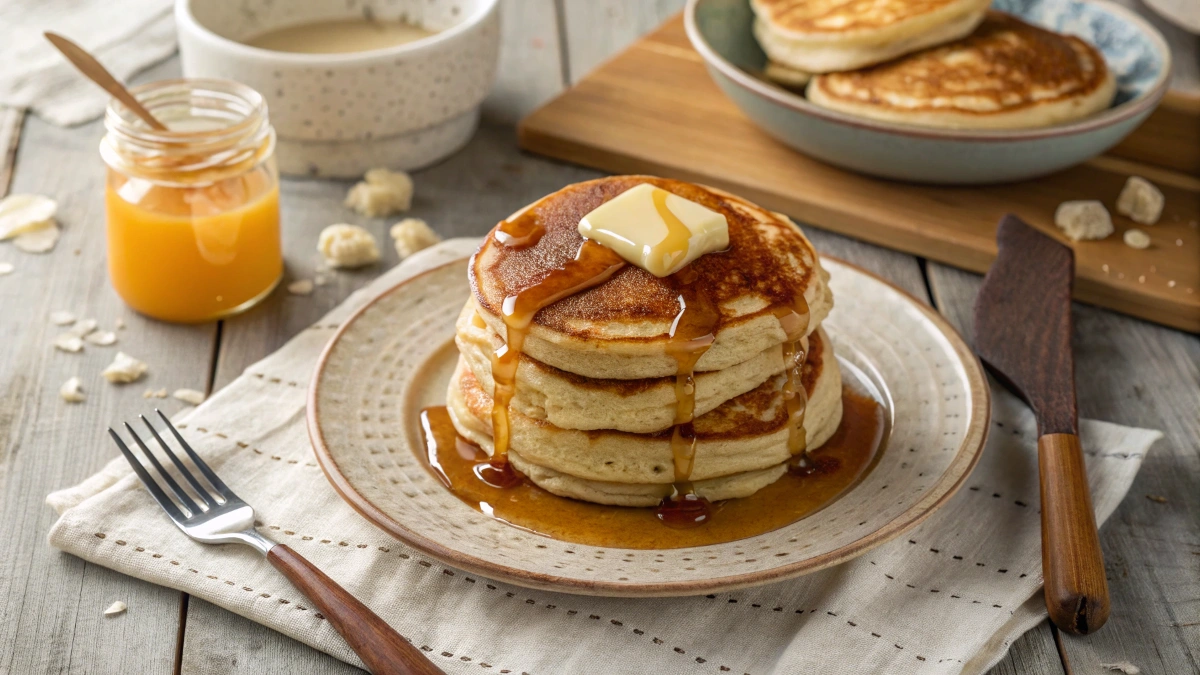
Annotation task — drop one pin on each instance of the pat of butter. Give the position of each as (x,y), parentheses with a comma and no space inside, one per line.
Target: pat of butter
(656,230)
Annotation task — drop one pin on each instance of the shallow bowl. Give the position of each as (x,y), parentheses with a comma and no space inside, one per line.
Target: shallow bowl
(720,30)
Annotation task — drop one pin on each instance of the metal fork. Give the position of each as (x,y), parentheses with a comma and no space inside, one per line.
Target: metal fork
(218,516)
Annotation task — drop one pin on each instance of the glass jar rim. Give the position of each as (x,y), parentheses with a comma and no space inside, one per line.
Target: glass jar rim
(237,129)
(161,93)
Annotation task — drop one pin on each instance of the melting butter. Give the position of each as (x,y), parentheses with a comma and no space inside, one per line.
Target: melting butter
(656,230)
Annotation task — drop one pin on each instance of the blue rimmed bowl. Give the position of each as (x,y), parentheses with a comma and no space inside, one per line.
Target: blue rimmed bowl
(720,30)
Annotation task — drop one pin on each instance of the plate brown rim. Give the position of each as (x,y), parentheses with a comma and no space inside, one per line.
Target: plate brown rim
(966,457)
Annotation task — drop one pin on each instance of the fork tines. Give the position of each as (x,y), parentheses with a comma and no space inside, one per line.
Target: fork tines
(219,494)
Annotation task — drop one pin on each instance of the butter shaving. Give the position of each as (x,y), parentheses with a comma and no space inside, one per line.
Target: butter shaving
(124,369)
(301,287)
(189,396)
(83,327)
(23,213)
(68,342)
(72,391)
(411,235)
(41,240)
(104,338)
(381,193)
(345,245)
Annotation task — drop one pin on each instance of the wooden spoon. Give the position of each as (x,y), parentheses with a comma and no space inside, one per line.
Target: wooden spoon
(1023,334)
(90,67)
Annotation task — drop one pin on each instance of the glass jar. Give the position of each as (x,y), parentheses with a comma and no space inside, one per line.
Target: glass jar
(193,212)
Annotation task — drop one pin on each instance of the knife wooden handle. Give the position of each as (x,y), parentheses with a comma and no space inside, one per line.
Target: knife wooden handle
(1072,565)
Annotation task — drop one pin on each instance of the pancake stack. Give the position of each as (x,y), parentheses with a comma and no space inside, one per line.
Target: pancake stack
(933,63)
(596,399)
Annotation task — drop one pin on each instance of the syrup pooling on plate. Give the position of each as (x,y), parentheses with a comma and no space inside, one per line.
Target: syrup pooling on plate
(831,469)
(593,264)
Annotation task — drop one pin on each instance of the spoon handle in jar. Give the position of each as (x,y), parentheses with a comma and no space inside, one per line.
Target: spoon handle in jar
(91,68)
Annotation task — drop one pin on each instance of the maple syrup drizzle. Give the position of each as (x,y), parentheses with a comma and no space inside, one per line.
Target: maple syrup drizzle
(593,264)
(692,333)
(675,245)
(522,230)
(794,320)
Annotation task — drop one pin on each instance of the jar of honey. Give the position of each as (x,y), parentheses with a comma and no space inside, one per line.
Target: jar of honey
(193,212)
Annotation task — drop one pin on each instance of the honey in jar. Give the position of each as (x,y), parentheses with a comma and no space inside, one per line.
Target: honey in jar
(192,212)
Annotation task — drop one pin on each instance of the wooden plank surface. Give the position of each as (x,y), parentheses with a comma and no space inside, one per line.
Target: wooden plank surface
(1139,374)
(597,29)
(531,68)
(10,135)
(51,604)
(654,109)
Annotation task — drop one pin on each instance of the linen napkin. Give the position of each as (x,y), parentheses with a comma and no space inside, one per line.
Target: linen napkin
(127,36)
(948,597)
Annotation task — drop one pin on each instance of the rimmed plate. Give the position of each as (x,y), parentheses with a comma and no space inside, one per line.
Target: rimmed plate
(395,356)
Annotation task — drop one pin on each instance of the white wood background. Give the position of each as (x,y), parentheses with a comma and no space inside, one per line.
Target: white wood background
(50,603)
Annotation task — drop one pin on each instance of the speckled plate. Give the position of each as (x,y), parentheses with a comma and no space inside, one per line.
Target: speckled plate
(396,354)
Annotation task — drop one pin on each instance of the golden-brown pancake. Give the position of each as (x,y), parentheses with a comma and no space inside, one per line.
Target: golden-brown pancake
(741,445)
(787,76)
(1006,75)
(620,329)
(571,401)
(822,36)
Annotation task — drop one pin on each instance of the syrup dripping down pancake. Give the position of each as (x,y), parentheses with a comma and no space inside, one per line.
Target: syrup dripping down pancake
(742,444)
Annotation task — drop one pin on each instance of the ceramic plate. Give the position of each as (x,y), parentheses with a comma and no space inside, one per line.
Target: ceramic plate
(395,357)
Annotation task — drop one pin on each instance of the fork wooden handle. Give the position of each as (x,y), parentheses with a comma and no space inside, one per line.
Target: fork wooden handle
(383,650)
(1072,565)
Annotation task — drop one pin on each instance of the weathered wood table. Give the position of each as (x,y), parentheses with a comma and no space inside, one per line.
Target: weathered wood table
(51,604)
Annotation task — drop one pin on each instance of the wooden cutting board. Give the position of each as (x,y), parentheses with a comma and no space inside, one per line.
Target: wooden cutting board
(653,109)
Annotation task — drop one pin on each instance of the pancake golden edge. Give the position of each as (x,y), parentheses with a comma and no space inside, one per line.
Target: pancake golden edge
(786,76)
(629,341)
(1007,75)
(735,457)
(570,401)
(823,36)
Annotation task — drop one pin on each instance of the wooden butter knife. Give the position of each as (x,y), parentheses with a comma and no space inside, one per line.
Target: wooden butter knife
(1023,335)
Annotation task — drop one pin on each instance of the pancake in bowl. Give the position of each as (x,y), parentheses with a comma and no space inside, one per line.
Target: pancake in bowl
(621,328)
(786,76)
(742,445)
(1007,75)
(823,36)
